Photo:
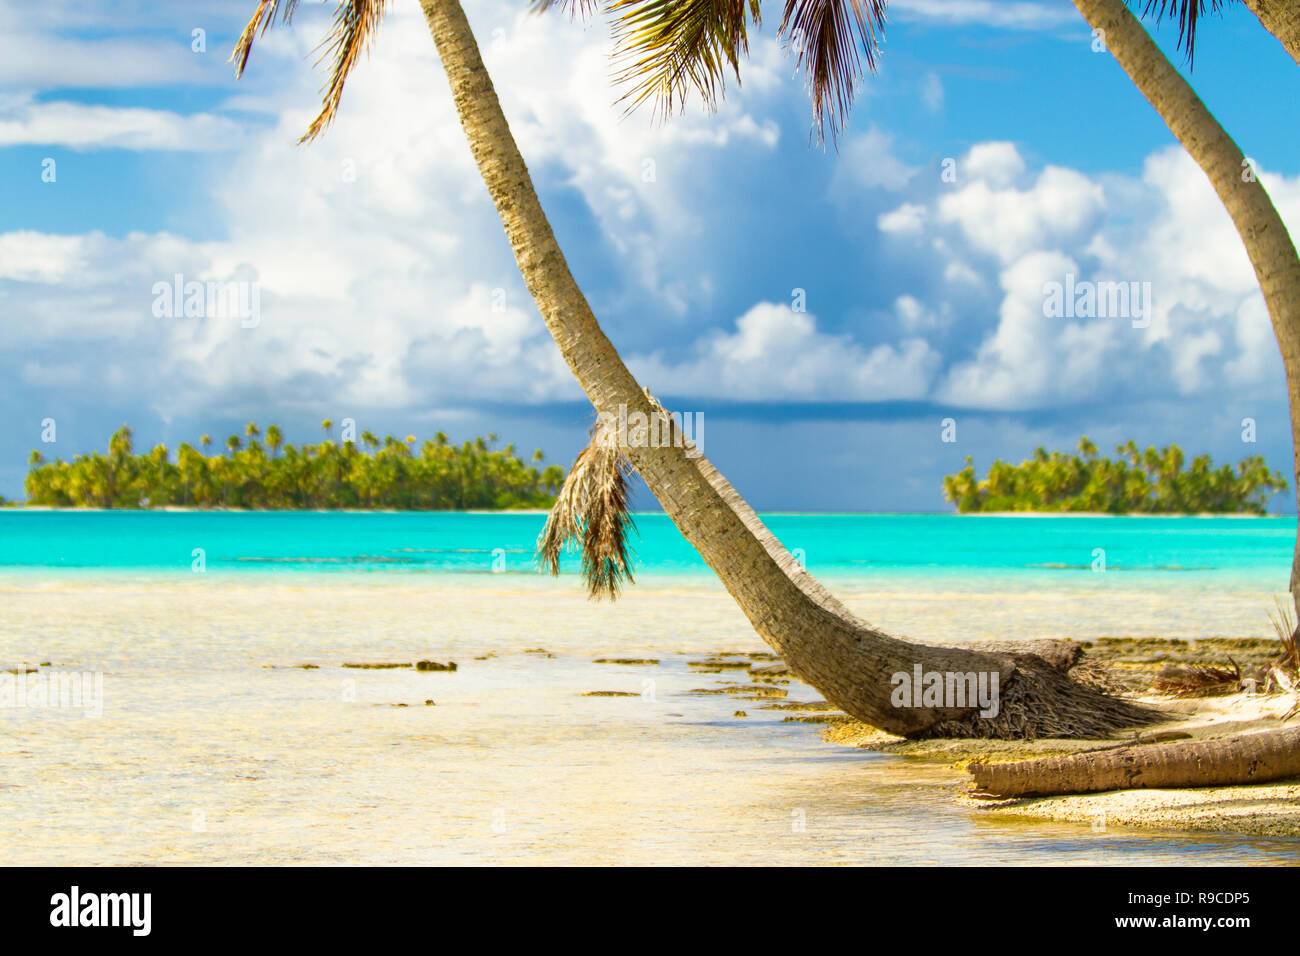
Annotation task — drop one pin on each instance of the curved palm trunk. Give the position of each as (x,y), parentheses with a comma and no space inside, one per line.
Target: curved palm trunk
(1269,245)
(846,659)
(1282,19)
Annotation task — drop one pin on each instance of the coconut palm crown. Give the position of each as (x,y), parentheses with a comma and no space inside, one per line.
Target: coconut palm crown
(664,49)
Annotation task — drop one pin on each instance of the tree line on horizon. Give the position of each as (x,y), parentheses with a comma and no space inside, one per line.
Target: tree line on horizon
(1150,481)
(260,471)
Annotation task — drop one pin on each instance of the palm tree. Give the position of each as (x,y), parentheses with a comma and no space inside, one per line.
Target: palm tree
(190,464)
(848,660)
(206,442)
(274,439)
(1268,243)
(668,48)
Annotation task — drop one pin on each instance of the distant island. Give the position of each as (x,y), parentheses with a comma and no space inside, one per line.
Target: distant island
(1137,482)
(260,471)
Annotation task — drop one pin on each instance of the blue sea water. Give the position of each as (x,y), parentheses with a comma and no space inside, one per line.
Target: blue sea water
(1143,551)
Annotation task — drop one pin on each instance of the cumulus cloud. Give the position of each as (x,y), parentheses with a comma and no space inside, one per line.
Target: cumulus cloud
(907,220)
(384,280)
(1024,233)
(1060,207)
(79,126)
(776,354)
(382,275)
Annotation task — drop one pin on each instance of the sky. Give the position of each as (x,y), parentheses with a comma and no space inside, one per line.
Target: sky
(825,310)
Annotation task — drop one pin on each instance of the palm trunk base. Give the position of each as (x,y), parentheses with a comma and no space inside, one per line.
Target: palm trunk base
(1040,700)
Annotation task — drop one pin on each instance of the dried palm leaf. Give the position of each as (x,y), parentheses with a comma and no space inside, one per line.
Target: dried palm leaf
(1197,681)
(592,510)
(1284,626)
(355,25)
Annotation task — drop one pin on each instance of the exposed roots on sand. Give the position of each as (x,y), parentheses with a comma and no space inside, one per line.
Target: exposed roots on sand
(1042,701)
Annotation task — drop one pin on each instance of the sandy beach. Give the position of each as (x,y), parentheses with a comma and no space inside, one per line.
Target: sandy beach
(236,728)
(1267,809)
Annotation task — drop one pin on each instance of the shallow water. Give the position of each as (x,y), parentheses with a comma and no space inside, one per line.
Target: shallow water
(214,746)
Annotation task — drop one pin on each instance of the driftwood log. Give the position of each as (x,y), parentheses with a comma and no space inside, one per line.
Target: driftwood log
(1246,758)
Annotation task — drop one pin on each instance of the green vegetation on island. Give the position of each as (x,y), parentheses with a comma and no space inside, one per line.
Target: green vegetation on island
(258,470)
(1153,481)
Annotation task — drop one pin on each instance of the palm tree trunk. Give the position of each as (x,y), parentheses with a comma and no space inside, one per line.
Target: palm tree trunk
(1282,19)
(846,659)
(1249,758)
(1269,245)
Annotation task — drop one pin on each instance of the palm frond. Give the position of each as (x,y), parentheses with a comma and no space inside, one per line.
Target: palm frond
(826,36)
(592,509)
(1189,13)
(355,24)
(664,49)
(263,17)
(577,9)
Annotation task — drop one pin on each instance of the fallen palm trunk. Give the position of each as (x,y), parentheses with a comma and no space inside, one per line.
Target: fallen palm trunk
(1248,758)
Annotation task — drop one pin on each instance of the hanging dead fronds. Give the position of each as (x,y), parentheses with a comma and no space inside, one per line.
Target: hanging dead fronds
(591,511)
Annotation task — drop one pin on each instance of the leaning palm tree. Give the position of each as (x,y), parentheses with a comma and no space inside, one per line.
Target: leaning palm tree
(667,50)
(852,663)
(1268,244)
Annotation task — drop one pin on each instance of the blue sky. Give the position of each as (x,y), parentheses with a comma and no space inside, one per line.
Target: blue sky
(388,293)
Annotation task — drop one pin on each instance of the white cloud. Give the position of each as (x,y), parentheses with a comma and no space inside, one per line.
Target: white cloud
(385,281)
(999,164)
(907,220)
(79,126)
(867,161)
(1061,206)
(383,277)
(1207,321)
(776,354)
